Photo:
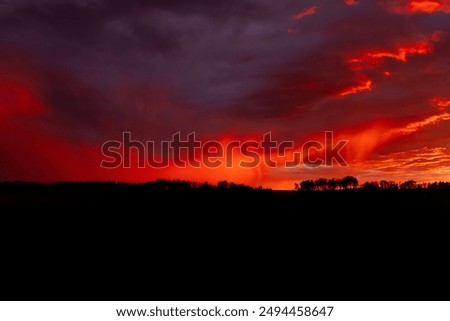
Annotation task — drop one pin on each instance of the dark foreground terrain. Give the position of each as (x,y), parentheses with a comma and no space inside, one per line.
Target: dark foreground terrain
(156,241)
(177,198)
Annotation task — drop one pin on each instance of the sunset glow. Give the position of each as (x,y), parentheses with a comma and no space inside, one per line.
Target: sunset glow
(75,74)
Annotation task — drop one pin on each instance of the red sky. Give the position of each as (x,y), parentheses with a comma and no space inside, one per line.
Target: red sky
(76,73)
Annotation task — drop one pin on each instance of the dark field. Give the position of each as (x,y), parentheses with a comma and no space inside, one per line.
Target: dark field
(117,242)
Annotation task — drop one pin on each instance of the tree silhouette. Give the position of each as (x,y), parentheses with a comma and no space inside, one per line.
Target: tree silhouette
(307,185)
(371,185)
(223,185)
(439,185)
(349,182)
(411,184)
(332,184)
(321,184)
(388,185)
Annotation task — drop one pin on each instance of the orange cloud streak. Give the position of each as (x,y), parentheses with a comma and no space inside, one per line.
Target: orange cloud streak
(419,6)
(401,53)
(440,102)
(363,86)
(304,13)
(365,140)
(425,6)
(423,165)
(415,126)
(370,59)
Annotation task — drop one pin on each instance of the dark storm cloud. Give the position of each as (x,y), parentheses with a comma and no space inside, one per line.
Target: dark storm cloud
(235,56)
(208,52)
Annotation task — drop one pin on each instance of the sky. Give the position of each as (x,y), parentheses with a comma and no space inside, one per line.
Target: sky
(77,73)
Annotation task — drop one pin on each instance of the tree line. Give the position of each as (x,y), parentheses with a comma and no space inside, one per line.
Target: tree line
(159,185)
(351,182)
